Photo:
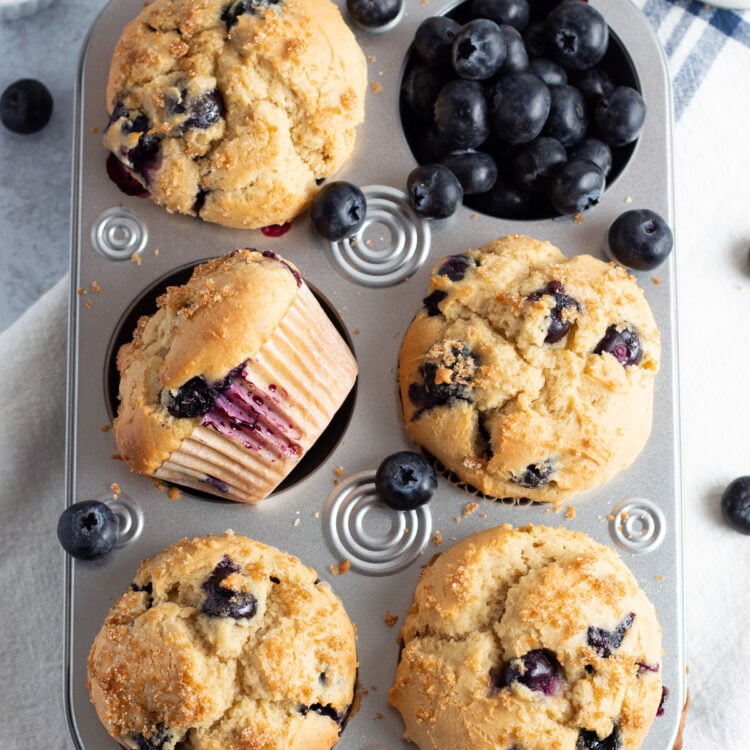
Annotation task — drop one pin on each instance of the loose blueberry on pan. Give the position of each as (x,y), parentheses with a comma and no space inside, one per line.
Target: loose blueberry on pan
(338,210)
(26,106)
(405,480)
(222,601)
(374,14)
(88,530)
(735,504)
(640,239)
(434,191)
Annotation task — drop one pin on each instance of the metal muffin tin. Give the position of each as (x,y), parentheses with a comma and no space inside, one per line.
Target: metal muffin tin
(374,287)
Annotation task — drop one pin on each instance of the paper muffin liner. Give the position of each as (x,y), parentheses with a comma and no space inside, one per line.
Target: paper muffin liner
(272,411)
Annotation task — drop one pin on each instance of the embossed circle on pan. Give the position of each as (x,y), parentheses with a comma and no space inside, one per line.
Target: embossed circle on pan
(638,525)
(118,233)
(375,539)
(391,245)
(129,517)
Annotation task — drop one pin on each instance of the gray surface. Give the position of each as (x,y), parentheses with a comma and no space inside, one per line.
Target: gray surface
(289,519)
(35,169)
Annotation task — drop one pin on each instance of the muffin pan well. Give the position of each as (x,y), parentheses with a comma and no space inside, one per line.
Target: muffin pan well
(125,247)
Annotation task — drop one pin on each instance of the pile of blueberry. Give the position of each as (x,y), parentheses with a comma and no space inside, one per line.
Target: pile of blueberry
(522,109)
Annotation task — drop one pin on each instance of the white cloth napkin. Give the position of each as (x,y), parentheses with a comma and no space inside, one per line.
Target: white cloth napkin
(709,58)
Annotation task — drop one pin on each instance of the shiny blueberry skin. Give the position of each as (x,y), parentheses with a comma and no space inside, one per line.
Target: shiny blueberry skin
(640,239)
(338,210)
(506,199)
(577,35)
(193,399)
(434,191)
(539,670)
(26,106)
(88,530)
(374,14)
(405,480)
(516,56)
(433,41)
(735,504)
(205,110)
(476,170)
(533,165)
(421,88)
(619,116)
(550,72)
(624,345)
(461,114)
(519,106)
(514,13)
(576,186)
(479,50)
(594,150)
(567,120)
(593,83)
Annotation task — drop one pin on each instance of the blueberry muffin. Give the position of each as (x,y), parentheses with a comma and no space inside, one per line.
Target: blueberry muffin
(235,110)
(224,643)
(529,374)
(528,639)
(232,380)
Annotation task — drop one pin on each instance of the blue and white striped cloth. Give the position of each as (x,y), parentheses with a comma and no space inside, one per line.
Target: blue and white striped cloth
(693,34)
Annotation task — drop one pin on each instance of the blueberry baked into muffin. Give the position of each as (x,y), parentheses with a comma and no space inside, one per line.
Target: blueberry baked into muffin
(234,377)
(529,374)
(222,642)
(235,110)
(528,639)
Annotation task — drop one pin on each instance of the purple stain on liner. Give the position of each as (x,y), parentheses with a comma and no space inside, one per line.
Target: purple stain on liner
(272,256)
(217,484)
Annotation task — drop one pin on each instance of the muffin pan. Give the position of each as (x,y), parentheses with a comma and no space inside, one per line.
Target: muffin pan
(125,249)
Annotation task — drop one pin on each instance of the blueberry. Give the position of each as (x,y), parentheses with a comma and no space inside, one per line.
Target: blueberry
(431,146)
(405,480)
(338,210)
(539,670)
(604,642)
(535,39)
(533,165)
(593,83)
(735,504)
(88,530)
(447,374)
(119,174)
(535,475)
(461,114)
(421,88)
(476,170)
(519,106)
(434,191)
(193,399)
(624,345)
(432,301)
(479,50)
(433,41)
(511,12)
(222,601)
(576,186)
(588,740)
(640,239)
(506,199)
(325,710)
(577,35)
(454,267)
(26,106)
(230,15)
(595,151)
(374,14)
(205,110)
(155,741)
(516,57)
(550,72)
(565,307)
(619,116)
(567,121)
